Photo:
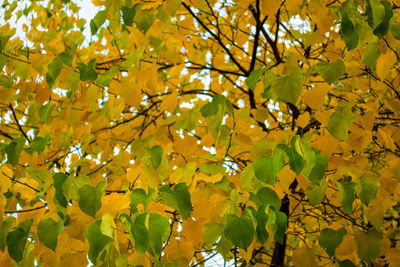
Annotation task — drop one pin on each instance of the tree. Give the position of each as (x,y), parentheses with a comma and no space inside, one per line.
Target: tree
(190,128)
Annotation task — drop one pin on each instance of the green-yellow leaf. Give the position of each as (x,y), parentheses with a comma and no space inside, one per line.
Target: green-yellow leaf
(369,244)
(331,72)
(48,231)
(16,240)
(288,88)
(330,239)
(239,230)
(97,240)
(340,121)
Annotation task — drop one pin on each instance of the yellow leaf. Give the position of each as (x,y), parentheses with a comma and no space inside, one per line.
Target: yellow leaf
(6,175)
(38,62)
(385,62)
(385,139)
(5,259)
(303,257)
(347,249)
(24,188)
(270,7)
(129,90)
(393,257)
(79,220)
(293,5)
(184,174)
(98,2)
(261,114)
(192,230)
(303,120)
(114,203)
(170,102)
(323,116)
(323,20)
(359,139)
(244,3)
(315,97)
(42,93)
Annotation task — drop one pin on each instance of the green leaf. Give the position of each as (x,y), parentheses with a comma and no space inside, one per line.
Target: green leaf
(88,201)
(239,230)
(90,198)
(330,239)
(261,219)
(350,30)
(316,162)
(3,41)
(382,29)
(178,198)
(140,233)
(106,78)
(296,161)
(395,29)
(45,113)
(280,225)
(211,108)
(48,231)
(370,55)
(212,231)
(253,78)
(6,81)
(368,187)
(352,40)
(98,21)
(143,19)
(288,88)
(224,247)
(38,144)
(3,60)
(340,121)
(88,72)
(128,14)
(223,184)
(316,193)
(266,168)
(55,67)
(369,244)
(346,263)
(318,168)
(347,26)
(59,197)
(211,169)
(13,151)
(4,229)
(139,196)
(347,195)
(267,196)
(65,58)
(375,13)
(16,240)
(331,72)
(156,153)
(158,232)
(97,241)
(73,80)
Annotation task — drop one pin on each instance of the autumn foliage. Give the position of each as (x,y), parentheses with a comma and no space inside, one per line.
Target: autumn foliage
(265,131)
